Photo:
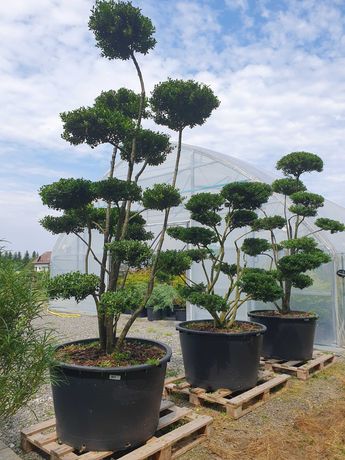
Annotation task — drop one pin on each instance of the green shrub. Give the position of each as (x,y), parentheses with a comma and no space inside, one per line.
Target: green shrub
(26,351)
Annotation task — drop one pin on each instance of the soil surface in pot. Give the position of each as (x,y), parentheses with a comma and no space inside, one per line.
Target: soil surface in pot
(131,354)
(238,326)
(291,314)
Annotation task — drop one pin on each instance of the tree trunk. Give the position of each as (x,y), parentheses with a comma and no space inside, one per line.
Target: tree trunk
(137,312)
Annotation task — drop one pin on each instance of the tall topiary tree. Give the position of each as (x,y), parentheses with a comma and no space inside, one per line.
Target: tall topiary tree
(115,118)
(298,253)
(220,216)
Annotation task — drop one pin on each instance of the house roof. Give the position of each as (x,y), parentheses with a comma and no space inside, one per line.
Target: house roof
(44,258)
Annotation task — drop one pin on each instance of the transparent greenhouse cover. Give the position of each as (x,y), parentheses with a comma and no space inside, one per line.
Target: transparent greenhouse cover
(205,170)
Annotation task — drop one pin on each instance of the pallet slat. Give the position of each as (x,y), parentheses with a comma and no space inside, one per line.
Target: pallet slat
(167,440)
(303,370)
(165,447)
(235,405)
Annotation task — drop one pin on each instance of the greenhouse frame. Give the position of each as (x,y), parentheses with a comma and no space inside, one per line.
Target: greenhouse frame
(205,170)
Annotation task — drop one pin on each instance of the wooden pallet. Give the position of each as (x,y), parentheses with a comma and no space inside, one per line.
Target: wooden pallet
(236,404)
(303,370)
(160,447)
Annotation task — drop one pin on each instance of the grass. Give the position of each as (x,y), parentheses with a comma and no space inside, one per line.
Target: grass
(317,432)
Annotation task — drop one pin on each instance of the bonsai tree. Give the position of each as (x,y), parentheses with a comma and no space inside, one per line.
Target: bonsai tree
(114,207)
(223,217)
(298,253)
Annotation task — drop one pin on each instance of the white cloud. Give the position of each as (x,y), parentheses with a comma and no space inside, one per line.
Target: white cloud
(281,81)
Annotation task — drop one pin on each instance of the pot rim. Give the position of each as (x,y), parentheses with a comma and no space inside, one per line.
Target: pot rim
(115,370)
(180,328)
(252,314)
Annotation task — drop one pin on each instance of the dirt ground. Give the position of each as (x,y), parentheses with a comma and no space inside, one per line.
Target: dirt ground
(306,421)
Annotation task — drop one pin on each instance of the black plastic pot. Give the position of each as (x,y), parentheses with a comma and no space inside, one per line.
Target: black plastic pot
(154,315)
(180,314)
(143,313)
(108,408)
(287,338)
(168,313)
(214,360)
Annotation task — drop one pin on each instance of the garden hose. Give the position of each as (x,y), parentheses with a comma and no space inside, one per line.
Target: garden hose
(63,315)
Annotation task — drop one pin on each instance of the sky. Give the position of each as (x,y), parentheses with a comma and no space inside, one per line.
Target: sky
(277,66)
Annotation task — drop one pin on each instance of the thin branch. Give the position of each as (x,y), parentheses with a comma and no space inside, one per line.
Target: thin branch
(91,250)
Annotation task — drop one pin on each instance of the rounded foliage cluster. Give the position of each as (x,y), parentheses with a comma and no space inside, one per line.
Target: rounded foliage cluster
(246,195)
(296,163)
(131,252)
(121,29)
(73,285)
(204,208)
(181,103)
(161,196)
(67,194)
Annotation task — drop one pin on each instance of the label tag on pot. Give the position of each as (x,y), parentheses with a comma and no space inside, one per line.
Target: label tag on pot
(114,377)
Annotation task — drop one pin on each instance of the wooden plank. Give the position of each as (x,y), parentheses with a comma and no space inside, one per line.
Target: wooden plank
(319,360)
(174,416)
(94,455)
(222,393)
(183,385)
(166,404)
(284,367)
(182,450)
(174,379)
(209,397)
(292,363)
(60,451)
(40,439)
(256,391)
(39,427)
(194,431)
(70,456)
(302,370)
(197,390)
(144,452)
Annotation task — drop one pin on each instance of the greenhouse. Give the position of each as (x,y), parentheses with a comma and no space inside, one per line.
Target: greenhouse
(205,170)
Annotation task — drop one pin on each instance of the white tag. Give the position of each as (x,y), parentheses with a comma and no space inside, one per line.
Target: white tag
(115,377)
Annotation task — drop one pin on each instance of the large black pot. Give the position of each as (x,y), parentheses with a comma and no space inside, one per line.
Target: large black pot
(180,314)
(108,408)
(214,360)
(287,338)
(143,313)
(154,315)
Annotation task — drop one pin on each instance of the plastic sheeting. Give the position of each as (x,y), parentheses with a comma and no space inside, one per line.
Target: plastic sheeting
(205,170)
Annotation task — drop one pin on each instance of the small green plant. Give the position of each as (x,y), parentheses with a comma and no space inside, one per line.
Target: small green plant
(162,297)
(152,362)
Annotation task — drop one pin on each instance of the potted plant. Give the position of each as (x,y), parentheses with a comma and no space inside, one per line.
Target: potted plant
(179,306)
(110,388)
(294,253)
(160,302)
(222,352)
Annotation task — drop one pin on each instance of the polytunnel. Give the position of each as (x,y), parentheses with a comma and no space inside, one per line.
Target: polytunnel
(205,170)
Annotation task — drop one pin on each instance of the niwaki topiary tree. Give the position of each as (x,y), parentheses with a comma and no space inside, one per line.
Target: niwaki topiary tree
(113,207)
(294,256)
(220,216)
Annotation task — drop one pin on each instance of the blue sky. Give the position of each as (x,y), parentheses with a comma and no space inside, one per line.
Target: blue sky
(278,68)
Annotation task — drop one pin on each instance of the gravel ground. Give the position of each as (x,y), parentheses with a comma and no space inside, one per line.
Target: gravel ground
(276,414)
(41,407)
